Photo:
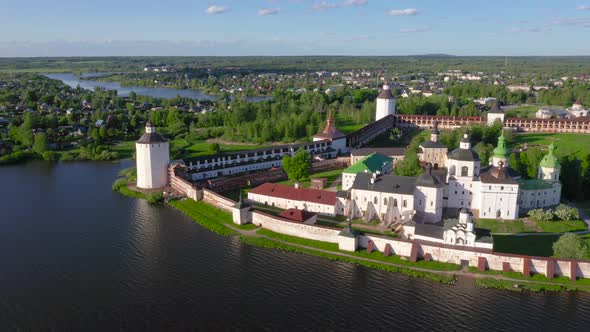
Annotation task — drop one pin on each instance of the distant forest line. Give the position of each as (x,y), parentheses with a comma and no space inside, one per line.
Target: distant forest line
(401,65)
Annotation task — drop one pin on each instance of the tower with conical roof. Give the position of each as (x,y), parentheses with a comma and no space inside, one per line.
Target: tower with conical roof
(549,167)
(501,153)
(385,103)
(152,157)
(337,138)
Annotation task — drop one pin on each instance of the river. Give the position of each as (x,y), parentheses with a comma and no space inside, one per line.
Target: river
(75,255)
(156,92)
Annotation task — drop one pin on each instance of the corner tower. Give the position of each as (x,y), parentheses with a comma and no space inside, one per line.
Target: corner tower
(385,103)
(152,155)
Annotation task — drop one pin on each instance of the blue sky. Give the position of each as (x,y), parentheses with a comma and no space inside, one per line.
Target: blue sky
(293,27)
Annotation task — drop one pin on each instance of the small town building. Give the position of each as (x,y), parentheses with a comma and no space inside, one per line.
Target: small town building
(301,216)
(433,151)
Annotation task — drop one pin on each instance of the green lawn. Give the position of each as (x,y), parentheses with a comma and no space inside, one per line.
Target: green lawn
(518,226)
(522,112)
(532,245)
(566,144)
(504,226)
(125,149)
(330,175)
(208,216)
(562,226)
(201,148)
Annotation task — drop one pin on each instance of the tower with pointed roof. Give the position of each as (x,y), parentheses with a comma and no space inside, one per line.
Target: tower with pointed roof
(495,114)
(385,103)
(501,153)
(152,157)
(337,139)
(549,167)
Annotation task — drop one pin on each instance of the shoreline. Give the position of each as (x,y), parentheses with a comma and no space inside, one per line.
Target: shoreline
(219,221)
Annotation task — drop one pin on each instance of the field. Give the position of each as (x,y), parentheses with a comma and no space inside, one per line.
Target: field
(530,226)
(522,112)
(532,245)
(566,144)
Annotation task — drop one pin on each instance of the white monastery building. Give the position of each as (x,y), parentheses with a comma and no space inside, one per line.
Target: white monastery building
(153,156)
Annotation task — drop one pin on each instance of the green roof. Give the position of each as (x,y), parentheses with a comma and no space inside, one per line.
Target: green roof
(550,160)
(535,184)
(501,151)
(371,163)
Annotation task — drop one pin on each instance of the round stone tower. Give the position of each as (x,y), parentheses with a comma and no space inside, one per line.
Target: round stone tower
(549,167)
(385,103)
(152,155)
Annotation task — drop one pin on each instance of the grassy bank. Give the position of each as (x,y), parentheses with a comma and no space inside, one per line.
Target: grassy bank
(212,218)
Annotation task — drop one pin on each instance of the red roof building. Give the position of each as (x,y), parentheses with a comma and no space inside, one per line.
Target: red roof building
(330,132)
(297,215)
(296,194)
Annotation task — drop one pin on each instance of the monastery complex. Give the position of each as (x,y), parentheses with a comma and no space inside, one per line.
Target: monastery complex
(437,207)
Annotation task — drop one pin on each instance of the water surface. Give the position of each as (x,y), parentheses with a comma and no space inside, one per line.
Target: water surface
(76,256)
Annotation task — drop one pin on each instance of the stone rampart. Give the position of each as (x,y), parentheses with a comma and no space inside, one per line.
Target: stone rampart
(287,227)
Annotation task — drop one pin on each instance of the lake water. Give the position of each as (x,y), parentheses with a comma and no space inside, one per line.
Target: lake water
(76,256)
(156,92)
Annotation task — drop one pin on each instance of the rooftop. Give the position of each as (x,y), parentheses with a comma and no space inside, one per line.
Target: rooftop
(296,194)
(371,163)
(404,185)
(297,215)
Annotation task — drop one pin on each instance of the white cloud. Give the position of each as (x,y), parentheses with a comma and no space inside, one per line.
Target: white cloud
(527,29)
(413,30)
(212,10)
(324,5)
(269,11)
(583,7)
(571,21)
(356,3)
(404,12)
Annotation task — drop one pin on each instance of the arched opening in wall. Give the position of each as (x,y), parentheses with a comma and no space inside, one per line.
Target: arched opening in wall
(498,214)
(435,165)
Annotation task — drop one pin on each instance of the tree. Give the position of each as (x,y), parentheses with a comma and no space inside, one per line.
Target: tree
(570,245)
(298,166)
(214,148)
(41,144)
(409,166)
(565,212)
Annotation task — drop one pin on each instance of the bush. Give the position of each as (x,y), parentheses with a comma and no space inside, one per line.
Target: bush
(541,215)
(570,246)
(156,197)
(567,213)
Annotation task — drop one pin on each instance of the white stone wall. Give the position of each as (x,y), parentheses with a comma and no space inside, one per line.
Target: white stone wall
(498,201)
(436,157)
(364,198)
(492,117)
(550,174)
(293,204)
(541,198)
(152,165)
(384,108)
(428,204)
(463,193)
(284,226)
(348,180)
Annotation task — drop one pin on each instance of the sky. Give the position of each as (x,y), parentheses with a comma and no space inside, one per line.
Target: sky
(293,27)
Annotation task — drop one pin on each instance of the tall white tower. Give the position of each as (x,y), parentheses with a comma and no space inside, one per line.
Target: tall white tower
(385,103)
(152,154)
